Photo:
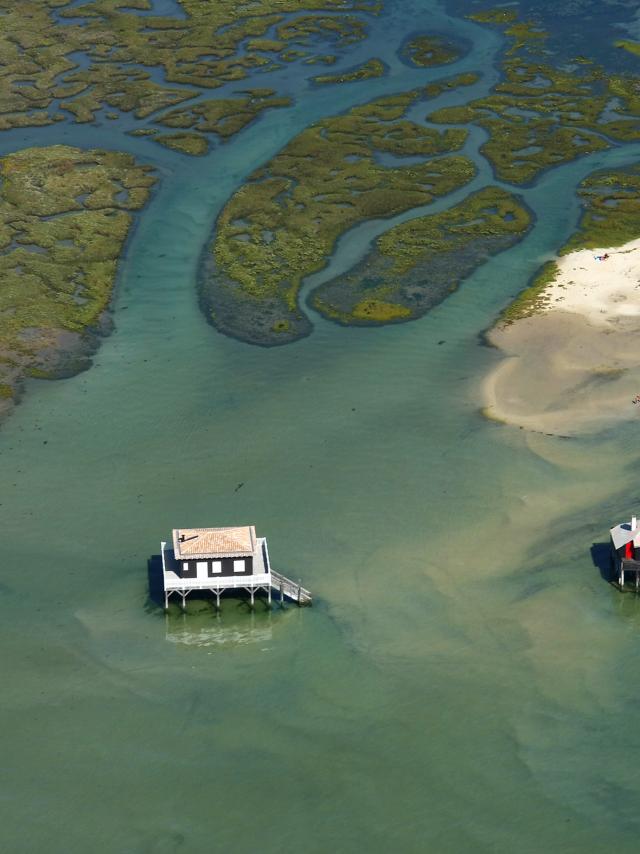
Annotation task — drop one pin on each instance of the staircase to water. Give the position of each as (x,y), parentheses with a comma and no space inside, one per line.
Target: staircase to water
(289,589)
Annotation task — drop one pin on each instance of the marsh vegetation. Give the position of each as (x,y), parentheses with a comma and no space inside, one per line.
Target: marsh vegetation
(64,217)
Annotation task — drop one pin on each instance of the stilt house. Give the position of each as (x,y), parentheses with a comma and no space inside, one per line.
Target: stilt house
(220,559)
(625,551)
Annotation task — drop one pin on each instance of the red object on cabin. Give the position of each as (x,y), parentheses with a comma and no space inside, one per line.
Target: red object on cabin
(628,550)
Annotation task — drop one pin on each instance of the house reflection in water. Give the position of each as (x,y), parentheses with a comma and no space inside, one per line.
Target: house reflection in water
(189,631)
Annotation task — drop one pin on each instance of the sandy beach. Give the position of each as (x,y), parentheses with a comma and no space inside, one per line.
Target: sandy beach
(572,368)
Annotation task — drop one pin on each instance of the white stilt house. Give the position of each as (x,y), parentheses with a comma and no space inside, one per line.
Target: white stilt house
(625,552)
(219,559)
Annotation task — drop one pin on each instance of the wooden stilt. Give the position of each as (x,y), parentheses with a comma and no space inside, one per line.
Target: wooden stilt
(252,593)
(184,600)
(218,599)
(621,579)
(269,595)
(166,600)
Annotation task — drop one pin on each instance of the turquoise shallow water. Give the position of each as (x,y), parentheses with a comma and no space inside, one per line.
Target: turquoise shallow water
(464,681)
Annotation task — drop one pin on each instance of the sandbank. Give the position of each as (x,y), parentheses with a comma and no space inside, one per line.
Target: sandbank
(574,366)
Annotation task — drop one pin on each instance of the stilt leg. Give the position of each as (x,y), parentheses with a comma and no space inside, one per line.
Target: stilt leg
(621,579)
(166,601)
(218,600)
(269,595)
(253,597)
(184,603)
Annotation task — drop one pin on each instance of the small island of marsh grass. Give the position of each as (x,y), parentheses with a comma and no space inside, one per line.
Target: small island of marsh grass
(186,142)
(415,265)
(64,217)
(223,117)
(365,71)
(427,50)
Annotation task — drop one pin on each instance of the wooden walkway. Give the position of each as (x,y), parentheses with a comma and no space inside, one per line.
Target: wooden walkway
(289,589)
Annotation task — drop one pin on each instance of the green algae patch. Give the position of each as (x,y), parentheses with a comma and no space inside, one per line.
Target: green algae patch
(281,326)
(283,223)
(415,265)
(64,217)
(425,51)
(369,69)
(187,143)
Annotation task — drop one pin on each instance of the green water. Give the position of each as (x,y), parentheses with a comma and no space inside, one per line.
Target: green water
(464,681)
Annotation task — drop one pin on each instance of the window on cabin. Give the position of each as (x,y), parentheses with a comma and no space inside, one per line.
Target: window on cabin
(238,566)
(216,567)
(201,567)
(185,568)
